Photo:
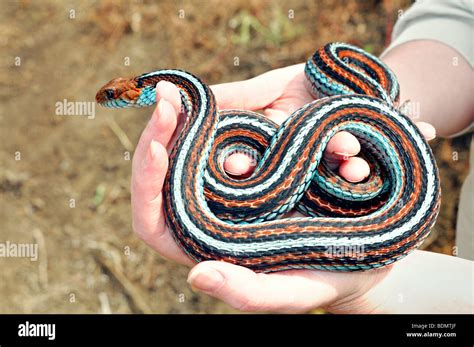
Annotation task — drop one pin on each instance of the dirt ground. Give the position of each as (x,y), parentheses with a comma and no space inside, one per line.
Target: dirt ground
(64,180)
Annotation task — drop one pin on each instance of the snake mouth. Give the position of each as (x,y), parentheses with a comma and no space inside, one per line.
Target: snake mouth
(116,103)
(117,93)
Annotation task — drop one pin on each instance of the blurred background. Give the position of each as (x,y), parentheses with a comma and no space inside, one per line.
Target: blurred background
(64,180)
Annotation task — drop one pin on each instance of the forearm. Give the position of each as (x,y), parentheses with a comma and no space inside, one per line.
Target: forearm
(437,80)
(425,282)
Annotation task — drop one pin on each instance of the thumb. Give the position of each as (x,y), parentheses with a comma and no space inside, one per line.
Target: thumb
(287,291)
(255,93)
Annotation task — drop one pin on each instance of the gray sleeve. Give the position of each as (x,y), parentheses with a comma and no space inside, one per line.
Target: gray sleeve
(448,21)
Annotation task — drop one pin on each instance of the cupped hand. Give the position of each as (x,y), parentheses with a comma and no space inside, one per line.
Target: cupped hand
(277,93)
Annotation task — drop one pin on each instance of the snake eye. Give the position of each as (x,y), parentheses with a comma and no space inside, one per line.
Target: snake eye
(110,93)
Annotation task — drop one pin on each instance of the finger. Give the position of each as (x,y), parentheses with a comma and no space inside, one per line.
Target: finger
(147,184)
(354,169)
(340,152)
(245,290)
(148,172)
(344,145)
(340,147)
(160,128)
(147,204)
(169,91)
(428,131)
(255,93)
(239,164)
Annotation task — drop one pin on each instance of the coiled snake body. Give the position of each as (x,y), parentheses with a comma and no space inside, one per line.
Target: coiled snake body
(347,226)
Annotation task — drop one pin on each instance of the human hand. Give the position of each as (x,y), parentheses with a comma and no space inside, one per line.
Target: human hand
(278,93)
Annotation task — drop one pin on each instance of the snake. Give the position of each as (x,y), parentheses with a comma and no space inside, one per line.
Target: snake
(250,221)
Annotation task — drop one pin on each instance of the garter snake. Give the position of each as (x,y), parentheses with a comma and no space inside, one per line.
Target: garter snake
(346,226)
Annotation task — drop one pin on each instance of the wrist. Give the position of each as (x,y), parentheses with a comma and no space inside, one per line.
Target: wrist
(423,282)
(355,292)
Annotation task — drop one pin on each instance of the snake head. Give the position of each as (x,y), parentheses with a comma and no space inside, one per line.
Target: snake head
(119,92)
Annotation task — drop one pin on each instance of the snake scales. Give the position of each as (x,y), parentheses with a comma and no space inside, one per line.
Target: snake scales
(346,226)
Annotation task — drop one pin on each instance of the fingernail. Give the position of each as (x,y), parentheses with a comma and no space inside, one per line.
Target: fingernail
(161,105)
(153,147)
(157,112)
(344,155)
(231,172)
(156,90)
(355,181)
(206,280)
(431,135)
(150,154)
